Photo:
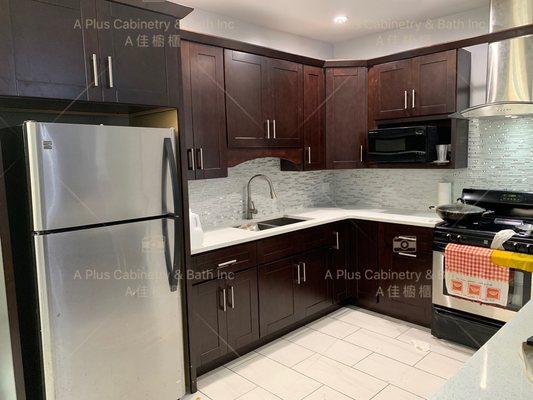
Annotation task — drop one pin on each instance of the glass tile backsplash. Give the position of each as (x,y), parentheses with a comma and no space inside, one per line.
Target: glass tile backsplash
(500,157)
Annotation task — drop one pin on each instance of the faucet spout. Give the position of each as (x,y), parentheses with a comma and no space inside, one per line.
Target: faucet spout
(250,206)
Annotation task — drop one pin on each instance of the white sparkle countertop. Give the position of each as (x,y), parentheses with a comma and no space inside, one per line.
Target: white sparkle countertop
(224,237)
(496,370)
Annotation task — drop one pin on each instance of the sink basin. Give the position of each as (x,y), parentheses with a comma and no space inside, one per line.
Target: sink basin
(269,224)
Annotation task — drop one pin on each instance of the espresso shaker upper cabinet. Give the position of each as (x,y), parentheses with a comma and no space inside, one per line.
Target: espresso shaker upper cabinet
(346,117)
(264,101)
(390,83)
(54,55)
(140,66)
(204,110)
(7,67)
(286,114)
(314,126)
(433,83)
(247,99)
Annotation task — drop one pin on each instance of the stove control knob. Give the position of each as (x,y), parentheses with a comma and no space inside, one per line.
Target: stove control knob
(448,236)
(529,248)
(459,238)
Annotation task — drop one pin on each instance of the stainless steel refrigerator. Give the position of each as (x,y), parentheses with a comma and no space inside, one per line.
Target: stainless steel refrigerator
(106,245)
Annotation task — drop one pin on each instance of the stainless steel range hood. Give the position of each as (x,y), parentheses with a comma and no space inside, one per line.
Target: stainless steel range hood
(510,65)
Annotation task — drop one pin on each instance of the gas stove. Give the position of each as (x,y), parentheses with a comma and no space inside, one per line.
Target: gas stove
(511,210)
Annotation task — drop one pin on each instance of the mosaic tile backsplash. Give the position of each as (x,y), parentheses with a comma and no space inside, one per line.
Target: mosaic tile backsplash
(500,157)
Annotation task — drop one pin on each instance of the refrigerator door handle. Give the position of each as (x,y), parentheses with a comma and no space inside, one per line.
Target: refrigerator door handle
(173,266)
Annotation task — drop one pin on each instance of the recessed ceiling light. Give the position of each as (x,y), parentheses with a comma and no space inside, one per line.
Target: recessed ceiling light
(340,19)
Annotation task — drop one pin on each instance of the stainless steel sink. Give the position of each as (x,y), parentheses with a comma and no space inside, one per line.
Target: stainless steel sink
(269,224)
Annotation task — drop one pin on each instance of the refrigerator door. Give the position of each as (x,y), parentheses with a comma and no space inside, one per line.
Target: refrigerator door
(111,328)
(91,174)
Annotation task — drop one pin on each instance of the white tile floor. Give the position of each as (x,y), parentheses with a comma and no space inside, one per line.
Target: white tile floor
(349,354)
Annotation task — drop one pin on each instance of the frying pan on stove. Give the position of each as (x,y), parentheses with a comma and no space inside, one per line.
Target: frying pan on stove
(461,212)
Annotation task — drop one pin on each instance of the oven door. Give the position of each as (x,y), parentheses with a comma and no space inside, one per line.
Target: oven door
(520,292)
(398,145)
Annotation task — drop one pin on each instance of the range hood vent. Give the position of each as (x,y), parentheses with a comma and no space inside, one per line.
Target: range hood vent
(510,65)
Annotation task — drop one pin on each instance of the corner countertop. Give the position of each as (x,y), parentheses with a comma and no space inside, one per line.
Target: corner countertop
(224,237)
(497,370)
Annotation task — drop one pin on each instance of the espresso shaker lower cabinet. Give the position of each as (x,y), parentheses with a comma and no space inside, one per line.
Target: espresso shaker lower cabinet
(341,266)
(7,66)
(225,316)
(208,327)
(277,286)
(366,258)
(313,290)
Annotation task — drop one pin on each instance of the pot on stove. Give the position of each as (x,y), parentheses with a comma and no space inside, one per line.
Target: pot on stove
(460,212)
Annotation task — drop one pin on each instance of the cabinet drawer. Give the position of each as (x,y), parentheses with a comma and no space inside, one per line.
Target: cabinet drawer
(317,237)
(230,259)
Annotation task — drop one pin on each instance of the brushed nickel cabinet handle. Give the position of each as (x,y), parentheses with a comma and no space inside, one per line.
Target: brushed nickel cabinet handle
(361,154)
(274,128)
(408,238)
(95,70)
(232,297)
(309,155)
(299,274)
(305,271)
(110,71)
(337,244)
(405,99)
(224,301)
(190,152)
(406,254)
(268,129)
(201,158)
(413,101)
(227,263)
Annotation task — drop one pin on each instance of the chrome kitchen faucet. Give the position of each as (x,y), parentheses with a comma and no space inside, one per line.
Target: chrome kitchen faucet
(250,206)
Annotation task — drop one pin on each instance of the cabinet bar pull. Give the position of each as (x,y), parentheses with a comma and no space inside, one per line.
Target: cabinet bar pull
(309,155)
(232,297)
(224,303)
(408,238)
(227,263)
(413,93)
(299,277)
(201,158)
(361,154)
(95,70)
(274,128)
(268,129)
(305,272)
(190,152)
(337,246)
(110,71)
(406,254)
(405,99)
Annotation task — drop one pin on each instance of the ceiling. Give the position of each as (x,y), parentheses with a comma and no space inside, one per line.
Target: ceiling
(314,18)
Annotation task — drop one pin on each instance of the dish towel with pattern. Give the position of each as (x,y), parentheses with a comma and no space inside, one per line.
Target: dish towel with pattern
(470,273)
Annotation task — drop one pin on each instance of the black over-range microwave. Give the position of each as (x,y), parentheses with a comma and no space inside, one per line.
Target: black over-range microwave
(409,144)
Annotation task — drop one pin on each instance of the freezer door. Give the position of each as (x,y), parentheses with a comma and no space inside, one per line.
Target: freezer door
(111,327)
(91,174)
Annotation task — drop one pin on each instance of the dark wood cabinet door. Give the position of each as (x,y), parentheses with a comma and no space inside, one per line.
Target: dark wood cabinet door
(367,262)
(408,297)
(277,308)
(53,53)
(204,111)
(141,66)
(286,113)
(243,308)
(342,266)
(189,153)
(7,66)
(346,117)
(314,118)
(247,99)
(434,83)
(313,290)
(208,326)
(391,87)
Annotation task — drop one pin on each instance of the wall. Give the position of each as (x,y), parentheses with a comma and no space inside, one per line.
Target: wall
(228,27)
(500,157)
(220,202)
